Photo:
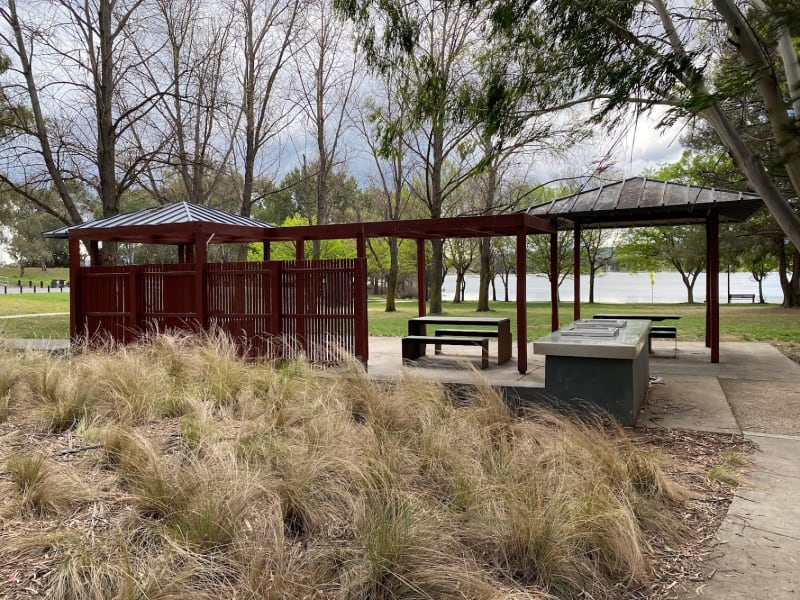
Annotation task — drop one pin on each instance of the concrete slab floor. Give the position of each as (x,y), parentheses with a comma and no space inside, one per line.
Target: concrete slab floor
(696,403)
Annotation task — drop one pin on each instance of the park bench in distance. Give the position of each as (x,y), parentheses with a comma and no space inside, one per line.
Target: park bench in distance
(751,297)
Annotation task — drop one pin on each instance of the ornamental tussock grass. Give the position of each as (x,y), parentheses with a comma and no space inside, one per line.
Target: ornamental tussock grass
(42,486)
(221,478)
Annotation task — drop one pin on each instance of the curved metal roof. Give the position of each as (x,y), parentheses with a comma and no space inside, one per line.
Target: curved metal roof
(643,202)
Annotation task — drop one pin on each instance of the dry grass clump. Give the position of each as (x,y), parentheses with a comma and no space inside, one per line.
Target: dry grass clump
(42,486)
(226,479)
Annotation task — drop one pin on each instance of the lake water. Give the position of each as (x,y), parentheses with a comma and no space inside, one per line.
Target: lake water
(668,288)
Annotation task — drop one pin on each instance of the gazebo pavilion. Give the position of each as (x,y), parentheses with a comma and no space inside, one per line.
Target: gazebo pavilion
(642,202)
(310,300)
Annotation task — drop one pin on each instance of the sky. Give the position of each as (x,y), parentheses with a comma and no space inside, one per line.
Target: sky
(646,147)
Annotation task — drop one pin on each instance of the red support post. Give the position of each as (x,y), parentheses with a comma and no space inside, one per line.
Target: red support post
(200,296)
(522,303)
(266,246)
(713,276)
(360,299)
(576,272)
(132,330)
(421,299)
(554,281)
(275,307)
(300,294)
(75,288)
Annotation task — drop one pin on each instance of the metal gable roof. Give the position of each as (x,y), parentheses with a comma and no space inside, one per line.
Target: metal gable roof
(179,213)
(639,201)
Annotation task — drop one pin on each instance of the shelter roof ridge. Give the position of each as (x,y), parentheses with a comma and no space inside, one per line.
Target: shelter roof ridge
(640,196)
(175,214)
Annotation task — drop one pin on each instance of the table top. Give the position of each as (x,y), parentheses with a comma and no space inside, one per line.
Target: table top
(627,344)
(647,316)
(443,319)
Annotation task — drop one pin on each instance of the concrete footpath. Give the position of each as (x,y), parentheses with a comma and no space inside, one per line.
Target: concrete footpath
(754,390)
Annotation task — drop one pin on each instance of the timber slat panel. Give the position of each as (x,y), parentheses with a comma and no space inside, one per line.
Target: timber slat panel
(316,309)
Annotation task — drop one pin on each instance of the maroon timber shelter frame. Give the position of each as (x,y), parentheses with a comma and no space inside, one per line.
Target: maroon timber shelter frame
(272,308)
(518,225)
(192,228)
(643,202)
(310,301)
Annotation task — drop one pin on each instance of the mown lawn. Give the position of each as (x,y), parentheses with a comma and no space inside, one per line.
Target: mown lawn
(34,275)
(746,322)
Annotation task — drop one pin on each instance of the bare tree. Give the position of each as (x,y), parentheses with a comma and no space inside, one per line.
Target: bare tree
(196,117)
(327,70)
(440,64)
(267,30)
(70,57)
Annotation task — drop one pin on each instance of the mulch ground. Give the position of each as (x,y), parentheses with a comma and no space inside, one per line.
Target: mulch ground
(691,456)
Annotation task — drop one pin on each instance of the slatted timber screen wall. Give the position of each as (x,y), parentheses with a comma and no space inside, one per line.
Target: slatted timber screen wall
(276,309)
(166,298)
(106,302)
(239,303)
(323,308)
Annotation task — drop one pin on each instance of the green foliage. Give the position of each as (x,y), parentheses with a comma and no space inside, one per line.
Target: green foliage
(286,250)
(25,223)
(709,169)
(539,255)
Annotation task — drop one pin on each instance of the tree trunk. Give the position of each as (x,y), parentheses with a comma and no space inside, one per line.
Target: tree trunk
(790,286)
(457,298)
(783,128)
(506,297)
(689,283)
(42,127)
(592,271)
(394,269)
(485,251)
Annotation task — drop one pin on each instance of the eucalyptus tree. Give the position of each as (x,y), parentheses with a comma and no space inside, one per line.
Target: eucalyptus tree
(431,78)
(74,65)
(540,253)
(656,52)
(681,247)
(382,124)
(598,250)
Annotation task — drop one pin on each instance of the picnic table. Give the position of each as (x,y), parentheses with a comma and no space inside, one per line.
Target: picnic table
(463,333)
(648,316)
